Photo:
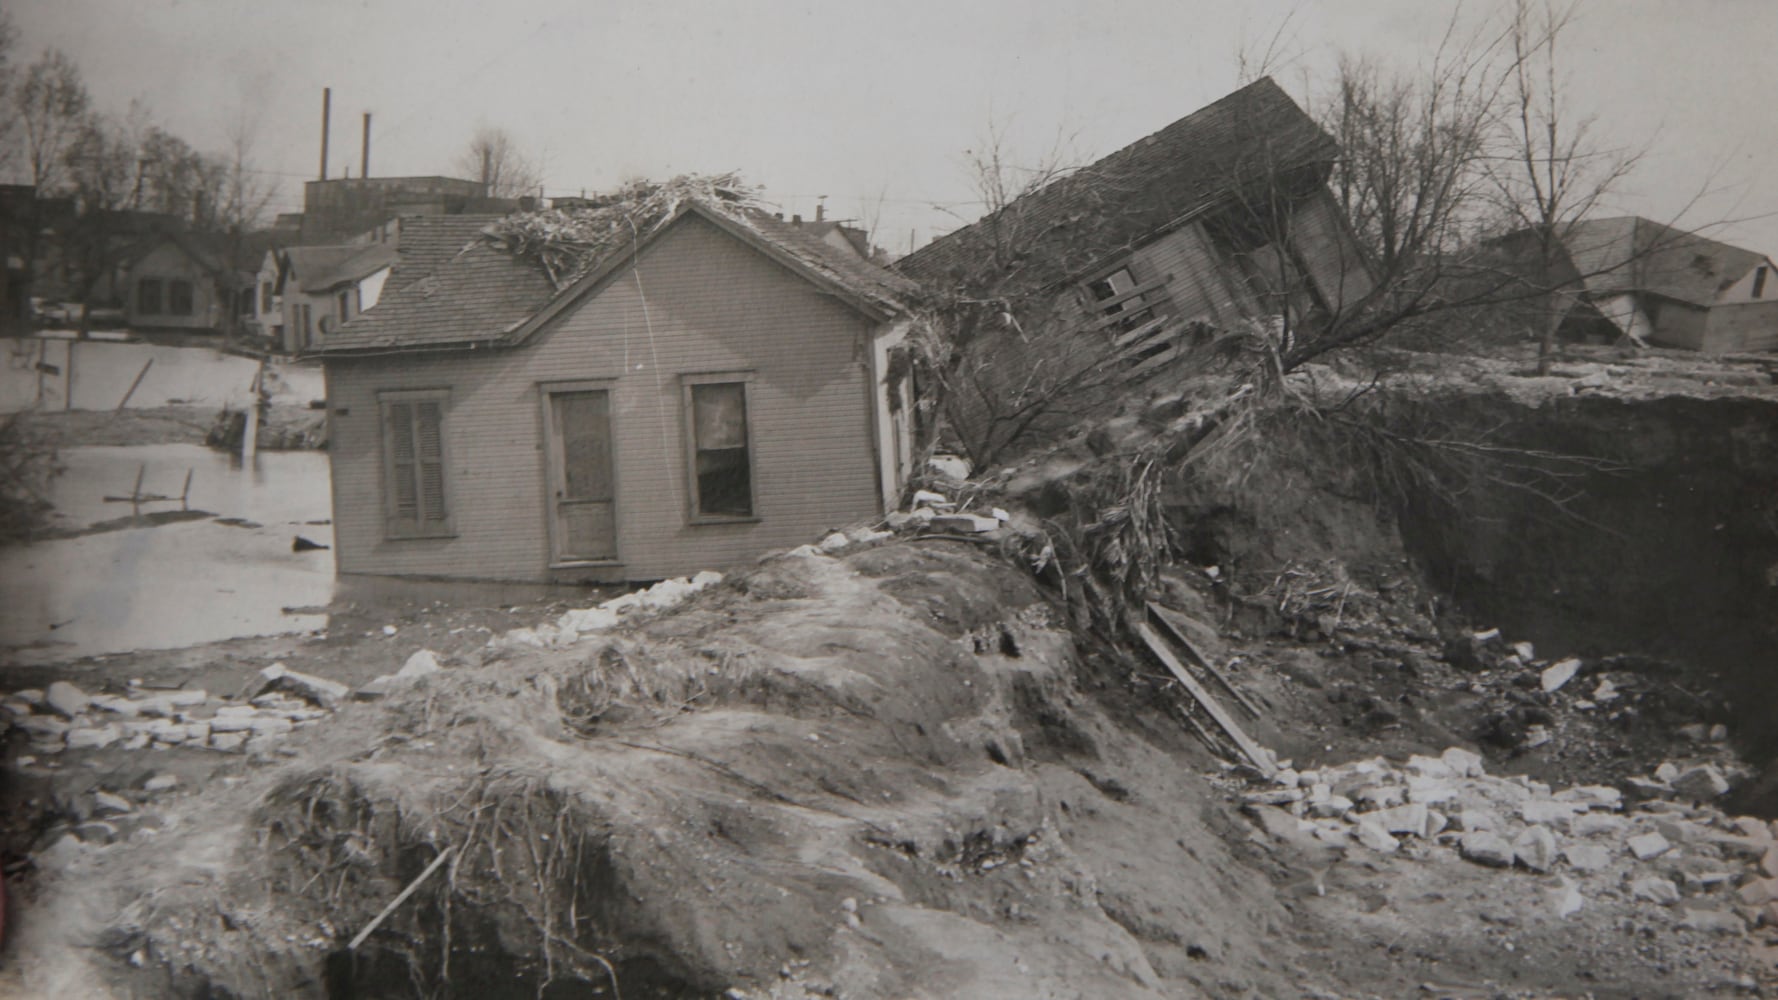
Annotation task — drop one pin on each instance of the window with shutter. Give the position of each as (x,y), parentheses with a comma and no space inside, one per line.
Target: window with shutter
(413,465)
(719,448)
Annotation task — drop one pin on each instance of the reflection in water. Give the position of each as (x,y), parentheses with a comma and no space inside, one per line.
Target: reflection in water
(178,583)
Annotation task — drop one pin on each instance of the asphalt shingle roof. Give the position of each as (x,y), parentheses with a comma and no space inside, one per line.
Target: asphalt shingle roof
(1249,137)
(481,294)
(428,241)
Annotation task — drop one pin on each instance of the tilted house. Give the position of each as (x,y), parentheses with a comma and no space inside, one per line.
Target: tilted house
(1636,278)
(1221,217)
(718,388)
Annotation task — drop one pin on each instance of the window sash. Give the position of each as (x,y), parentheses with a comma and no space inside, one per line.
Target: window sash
(721,469)
(415,498)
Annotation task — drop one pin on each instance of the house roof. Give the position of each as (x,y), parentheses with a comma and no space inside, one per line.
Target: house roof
(209,250)
(1074,222)
(484,295)
(325,267)
(1632,254)
(428,241)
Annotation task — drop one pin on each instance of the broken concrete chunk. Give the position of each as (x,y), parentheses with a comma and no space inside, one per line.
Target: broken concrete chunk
(93,737)
(1759,892)
(1592,796)
(419,665)
(1666,772)
(1373,836)
(1768,862)
(227,740)
(65,699)
(186,698)
(1559,673)
(1547,812)
(1432,767)
(834,542)
(1535,849)
(1655,890)
(1568,900)
(270,725)
(1430,791)
(1586,857)
(1648,845)
(1701,783)
(231,723)
(1713,921)
(1409,818)
(115,705)
(1472,819)
(927,498)
(319,690)
(1486,848)
(42,726)
(1465,764)
(96,832)
(1332,807)
(161,783)
(107,803)
(30,696)
(1595,824)
(1380,796)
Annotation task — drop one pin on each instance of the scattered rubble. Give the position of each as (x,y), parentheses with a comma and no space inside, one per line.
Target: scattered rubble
(1663,849)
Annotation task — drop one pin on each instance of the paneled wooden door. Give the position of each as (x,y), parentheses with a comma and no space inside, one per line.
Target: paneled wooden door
(584,493)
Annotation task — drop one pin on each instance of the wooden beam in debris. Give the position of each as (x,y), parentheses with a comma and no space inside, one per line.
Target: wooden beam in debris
(1176,624)
(1255,754)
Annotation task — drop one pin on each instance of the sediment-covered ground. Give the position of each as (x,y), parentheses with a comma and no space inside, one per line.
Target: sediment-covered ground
(919,766)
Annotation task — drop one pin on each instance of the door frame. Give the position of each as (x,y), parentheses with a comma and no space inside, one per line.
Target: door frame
(553,472)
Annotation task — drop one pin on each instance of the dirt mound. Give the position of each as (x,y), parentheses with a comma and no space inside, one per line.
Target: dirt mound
(871,775)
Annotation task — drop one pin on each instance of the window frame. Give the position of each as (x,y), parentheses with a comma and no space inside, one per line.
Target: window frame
(191,297)
(393,527)
(142,299)
(695,514)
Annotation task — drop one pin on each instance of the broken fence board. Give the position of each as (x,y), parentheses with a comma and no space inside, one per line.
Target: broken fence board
(1175,623)
(1255,754)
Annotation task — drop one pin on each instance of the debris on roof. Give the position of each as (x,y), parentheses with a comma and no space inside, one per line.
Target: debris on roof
(570,242)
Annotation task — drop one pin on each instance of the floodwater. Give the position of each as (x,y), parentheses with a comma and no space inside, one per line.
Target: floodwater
(172,584)
(38,372)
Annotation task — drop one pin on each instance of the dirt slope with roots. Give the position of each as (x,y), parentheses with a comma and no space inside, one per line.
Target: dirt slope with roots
(871,775)
(886,773)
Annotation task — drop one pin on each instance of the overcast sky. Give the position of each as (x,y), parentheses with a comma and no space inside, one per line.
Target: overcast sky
(872,105)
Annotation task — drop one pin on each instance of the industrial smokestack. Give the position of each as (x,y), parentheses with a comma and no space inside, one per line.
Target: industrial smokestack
(364,161)
(326,118)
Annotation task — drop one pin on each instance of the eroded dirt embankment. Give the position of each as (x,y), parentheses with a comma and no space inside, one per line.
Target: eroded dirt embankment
(874,775)
(1668,550)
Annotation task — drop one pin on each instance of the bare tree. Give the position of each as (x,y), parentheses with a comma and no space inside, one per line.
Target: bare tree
(105,171)
(50,103)
(9,148)
(1554,171)
(494,158)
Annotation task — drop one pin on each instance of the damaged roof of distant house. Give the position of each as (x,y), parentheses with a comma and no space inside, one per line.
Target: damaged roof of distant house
(1074,222)
(1633,254)
(483,295)
(321,268)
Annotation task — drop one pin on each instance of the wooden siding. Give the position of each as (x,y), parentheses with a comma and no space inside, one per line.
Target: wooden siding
(698,301)
(1198,287)
(1745,326)
(1334,261)
(1678,325)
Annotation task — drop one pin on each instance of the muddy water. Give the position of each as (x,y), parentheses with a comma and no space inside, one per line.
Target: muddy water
(178,582)
(99,375)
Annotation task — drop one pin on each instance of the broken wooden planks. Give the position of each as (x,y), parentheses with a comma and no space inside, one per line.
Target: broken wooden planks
(1176,624)
(1255,754)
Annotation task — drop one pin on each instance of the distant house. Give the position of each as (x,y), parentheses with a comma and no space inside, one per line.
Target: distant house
(1636,278)
(319,289)
(717,390)
(1221,217)
(184,281)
